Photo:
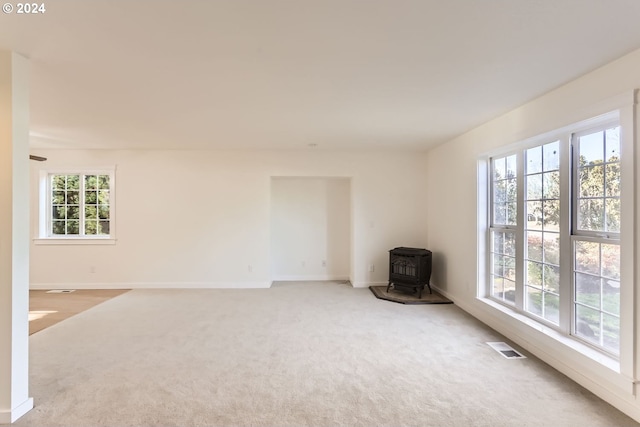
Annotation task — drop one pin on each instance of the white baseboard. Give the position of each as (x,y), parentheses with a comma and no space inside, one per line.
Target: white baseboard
(153,285)
(8,417)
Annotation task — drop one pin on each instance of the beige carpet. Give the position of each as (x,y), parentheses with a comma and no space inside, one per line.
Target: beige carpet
(298,354)
(46,309)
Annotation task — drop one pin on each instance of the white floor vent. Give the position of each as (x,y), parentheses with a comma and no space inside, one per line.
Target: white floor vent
(506,350)
(60,291)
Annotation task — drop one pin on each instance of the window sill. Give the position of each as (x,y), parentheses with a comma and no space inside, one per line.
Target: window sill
(568,342)
(74,241)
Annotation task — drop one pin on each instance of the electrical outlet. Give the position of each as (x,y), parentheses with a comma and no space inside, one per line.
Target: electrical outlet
(92,269)
(250,268)
(371,268)
(324,263)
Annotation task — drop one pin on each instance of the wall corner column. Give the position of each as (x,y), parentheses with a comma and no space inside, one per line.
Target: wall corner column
(14,237)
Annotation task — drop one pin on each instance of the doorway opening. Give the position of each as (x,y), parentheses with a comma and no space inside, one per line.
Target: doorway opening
(310,228)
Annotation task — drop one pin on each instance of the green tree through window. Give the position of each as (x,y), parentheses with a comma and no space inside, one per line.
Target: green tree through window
(80,205)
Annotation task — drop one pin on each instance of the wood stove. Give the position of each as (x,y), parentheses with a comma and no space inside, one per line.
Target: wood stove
(409,269)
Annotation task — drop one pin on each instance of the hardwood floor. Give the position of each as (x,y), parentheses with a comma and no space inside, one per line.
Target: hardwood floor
(46,308)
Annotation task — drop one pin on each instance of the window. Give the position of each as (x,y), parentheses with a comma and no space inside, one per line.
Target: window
(596,237)
(504,220)
(542,231)
(77,205)
(554,233)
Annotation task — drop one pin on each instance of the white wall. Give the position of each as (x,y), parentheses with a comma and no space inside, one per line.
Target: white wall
(453,220)
(200,218)
(14,233)
(310,231)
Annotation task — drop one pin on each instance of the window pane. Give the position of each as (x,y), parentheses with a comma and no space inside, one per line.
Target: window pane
(591,215)
(551,185)
(588,257)
(534,160)
(500,192)
(103,182)
(588,324)
(498,287)
(58,227)
(592,181)
(534,187)
(498,242)
(551,278)
(499,168)
(500,214)
(591,148)
(90,227)
(611,296)
(611,261)
(503,266)
(511,167)
(59,212)
(58,198)
(512,213)
(91,197)
(611,329)
(510,291)
(534,246)
(103,197)
(103,227)
(534,274)
(512,190)
(588,290)
(58,182)
(534,301)
(73,182)
(73,227)
(504,191)
(552,307)
(612,180)
(91,182)
(613,144)
(103,212)
(90,212)
(510,244)
(510,268)
(551,215)
(498,265)
(504,243)
(551,156)
(73,212)
(73,197)
(551,242)
(612,207)
(534,215)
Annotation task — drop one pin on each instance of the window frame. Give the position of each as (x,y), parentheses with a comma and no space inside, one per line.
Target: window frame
(502,228)
(598,237)
(45,235)
(567,217)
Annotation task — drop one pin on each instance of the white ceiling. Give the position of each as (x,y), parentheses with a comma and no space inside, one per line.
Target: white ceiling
(288,73)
